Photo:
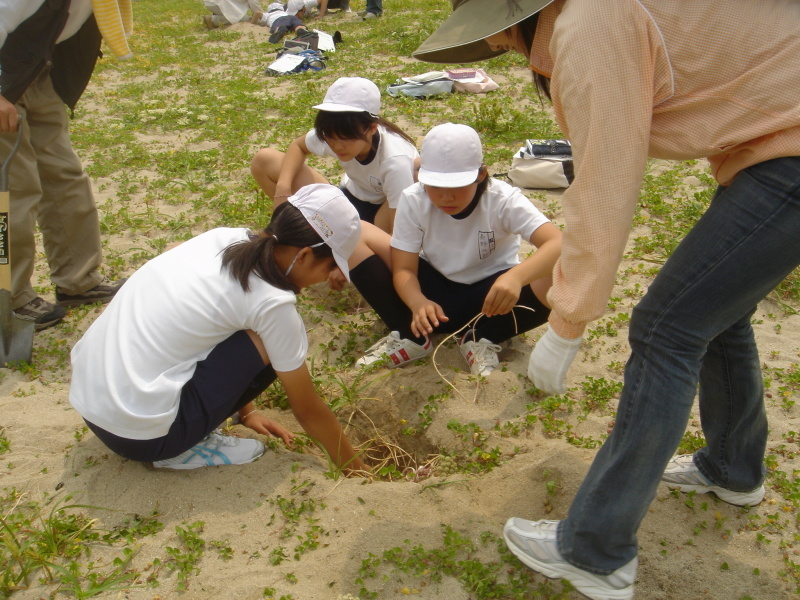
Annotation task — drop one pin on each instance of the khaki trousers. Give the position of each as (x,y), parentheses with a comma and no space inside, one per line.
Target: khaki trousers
(47,185)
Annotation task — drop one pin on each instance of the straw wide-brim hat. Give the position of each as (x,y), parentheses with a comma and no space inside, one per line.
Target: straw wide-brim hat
(461,38)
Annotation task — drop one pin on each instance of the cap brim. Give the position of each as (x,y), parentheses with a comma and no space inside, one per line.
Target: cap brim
(341,262)
(330,107)
(448,180)
(461,38)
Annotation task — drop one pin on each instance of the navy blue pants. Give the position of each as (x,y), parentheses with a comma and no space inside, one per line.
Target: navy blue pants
(232,375)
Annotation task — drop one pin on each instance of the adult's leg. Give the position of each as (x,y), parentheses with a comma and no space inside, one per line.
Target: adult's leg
(25,191)
(375,7)
(232,375)
(695,312)
(67,211)
(266,168)
(732,412)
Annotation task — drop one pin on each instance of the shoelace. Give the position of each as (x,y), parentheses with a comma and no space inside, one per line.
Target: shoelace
(480,350)
(215,440)
(386,346)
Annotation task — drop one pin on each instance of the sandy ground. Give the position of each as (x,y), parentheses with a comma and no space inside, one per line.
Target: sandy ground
(709,550)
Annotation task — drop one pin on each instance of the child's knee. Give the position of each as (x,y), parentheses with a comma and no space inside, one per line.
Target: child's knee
(264,162)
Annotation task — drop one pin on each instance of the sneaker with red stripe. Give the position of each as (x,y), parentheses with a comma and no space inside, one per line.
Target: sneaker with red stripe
(481,356)
(395,351)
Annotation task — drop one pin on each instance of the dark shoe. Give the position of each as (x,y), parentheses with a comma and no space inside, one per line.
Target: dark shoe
(103,292)
(279,34)
(41,312)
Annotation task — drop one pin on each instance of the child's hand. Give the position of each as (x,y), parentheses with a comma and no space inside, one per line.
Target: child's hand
(425,317)
(336,279)
(261,424)
(502,296)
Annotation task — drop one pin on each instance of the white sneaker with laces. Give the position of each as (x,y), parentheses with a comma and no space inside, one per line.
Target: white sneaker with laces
(534,543)
(481,356)
(215,450)
(395,351)
(682,474)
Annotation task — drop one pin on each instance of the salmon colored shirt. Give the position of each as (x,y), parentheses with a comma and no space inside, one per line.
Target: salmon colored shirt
(632,79)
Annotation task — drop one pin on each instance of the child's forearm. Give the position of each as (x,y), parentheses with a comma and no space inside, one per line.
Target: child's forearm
(407,286)
(326,431)
(293,161)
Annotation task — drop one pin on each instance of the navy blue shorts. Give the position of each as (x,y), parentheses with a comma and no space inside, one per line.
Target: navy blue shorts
(291,22)
(462,302)
(366,210)
(232,375)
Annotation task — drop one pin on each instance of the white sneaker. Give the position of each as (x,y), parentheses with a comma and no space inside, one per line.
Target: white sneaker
(215,450)
(682,474)
(534,543)
(395,351)
(481,356)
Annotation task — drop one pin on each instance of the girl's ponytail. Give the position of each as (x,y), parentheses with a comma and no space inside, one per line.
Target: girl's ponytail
(288,227)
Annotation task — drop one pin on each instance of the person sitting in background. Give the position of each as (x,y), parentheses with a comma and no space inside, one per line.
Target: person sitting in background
(326,5)
(282,20)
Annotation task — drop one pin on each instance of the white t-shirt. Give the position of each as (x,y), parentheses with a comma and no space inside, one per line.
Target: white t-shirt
(386,175)
(471,249)
(130,366)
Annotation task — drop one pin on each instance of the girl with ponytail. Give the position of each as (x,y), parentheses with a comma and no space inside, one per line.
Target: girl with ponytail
(204,328)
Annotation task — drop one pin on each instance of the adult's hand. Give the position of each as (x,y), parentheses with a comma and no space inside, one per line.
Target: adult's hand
(550,360)
(9,117)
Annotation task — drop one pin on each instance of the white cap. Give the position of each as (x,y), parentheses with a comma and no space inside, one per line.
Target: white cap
(295,6)
(332,216)
(451,156)
(352,94)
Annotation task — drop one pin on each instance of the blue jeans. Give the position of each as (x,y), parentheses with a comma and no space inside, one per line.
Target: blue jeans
(375,6)
(692,327)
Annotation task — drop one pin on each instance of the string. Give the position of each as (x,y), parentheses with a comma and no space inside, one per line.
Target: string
(471,324)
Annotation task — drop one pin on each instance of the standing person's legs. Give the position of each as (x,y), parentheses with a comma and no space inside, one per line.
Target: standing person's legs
(232,375)
(67,212)
(694,320)
(375,7)
(25,192)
